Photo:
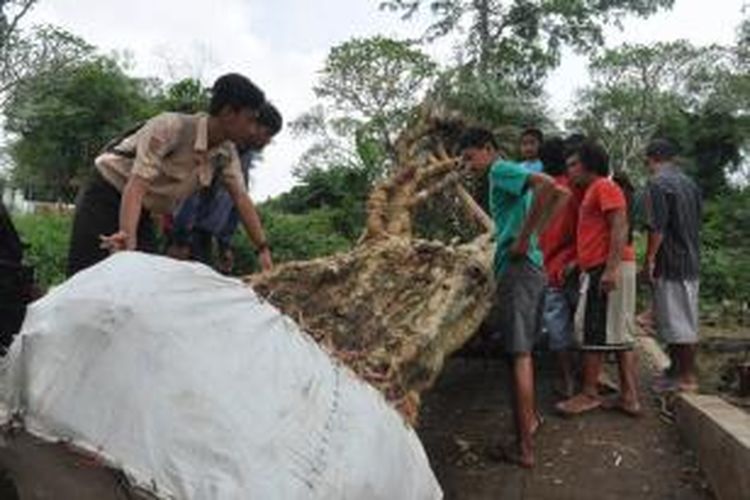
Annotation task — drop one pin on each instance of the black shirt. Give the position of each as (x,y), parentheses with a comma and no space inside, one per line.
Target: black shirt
(11,251)
(673,209)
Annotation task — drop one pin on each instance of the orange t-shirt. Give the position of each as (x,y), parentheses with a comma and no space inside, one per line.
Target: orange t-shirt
(558,240)
(601,197)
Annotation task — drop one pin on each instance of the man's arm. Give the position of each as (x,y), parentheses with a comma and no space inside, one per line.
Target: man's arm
(618,237)
(130,214)
(251,221)
(655,239)
(549,199)
(157,137)
(656,221)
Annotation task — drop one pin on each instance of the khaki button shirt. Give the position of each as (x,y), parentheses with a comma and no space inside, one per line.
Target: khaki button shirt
(172,155)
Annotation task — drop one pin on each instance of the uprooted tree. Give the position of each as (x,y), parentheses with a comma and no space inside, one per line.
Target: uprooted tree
(395,306)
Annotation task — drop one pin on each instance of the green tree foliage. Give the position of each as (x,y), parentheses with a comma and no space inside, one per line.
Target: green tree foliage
(11,13)
(368,89)
(185,96)
(63,116)
(492,102)
(725,262)
(674,90)
(340,189)
(292,236)
(523,38)
(41,48)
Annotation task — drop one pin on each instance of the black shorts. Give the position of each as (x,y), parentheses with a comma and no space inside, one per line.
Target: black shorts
(520,302)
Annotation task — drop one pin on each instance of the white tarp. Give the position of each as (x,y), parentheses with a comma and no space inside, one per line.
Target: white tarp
(189,382)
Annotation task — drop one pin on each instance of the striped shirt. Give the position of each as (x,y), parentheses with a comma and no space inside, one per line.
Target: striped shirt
(673,208)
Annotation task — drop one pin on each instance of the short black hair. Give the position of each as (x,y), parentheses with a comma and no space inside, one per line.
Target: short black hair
(476,137)
(552,156)
(237,92)
(593,157)
(534,132)
(661,150)
(270,117)
(572,142)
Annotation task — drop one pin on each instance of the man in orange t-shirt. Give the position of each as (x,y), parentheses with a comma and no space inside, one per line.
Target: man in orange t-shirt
(558,244)
(605,316)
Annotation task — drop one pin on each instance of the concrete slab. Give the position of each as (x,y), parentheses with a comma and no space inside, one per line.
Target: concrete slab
(720,435)
(718,432)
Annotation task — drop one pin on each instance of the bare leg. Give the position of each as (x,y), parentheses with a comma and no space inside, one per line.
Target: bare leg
(588,399)
(627,365)
(592,368)
(565,367)
(525,411)
(685,356)
(671,370)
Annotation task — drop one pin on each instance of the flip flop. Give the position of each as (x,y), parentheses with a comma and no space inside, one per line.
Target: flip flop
(664,385)
(579,404)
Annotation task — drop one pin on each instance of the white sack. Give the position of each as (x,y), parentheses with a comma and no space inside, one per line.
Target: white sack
(189,382)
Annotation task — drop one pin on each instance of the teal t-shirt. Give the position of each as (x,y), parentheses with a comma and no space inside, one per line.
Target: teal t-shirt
(510,202)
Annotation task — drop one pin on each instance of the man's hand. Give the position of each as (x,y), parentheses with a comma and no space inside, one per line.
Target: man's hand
(609,279)
(178,251)
(226,261)
(650,267)
(117,242)
(568,272)
(266,263)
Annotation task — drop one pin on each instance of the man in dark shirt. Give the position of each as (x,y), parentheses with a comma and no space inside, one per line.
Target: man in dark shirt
(15,280)
(673,218)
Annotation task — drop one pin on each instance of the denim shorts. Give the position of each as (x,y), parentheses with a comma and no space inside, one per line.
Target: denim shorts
(558,318)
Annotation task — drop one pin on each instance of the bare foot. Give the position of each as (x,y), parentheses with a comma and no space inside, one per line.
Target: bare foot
(509,454)
(688,385)
(580,403)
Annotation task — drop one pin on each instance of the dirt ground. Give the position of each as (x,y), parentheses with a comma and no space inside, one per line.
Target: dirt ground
(602,455)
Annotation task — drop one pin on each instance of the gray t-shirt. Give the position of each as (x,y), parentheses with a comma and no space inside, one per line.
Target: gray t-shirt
(673,208)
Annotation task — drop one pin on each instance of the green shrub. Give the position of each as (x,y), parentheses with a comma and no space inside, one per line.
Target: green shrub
(293,237)
(46,237)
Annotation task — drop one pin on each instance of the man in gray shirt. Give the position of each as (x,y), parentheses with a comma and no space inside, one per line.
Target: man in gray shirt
(673,217)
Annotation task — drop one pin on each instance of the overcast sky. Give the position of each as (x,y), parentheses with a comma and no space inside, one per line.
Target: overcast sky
(281,44)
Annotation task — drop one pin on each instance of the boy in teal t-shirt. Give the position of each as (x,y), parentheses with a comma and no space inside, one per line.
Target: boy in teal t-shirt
(521,201)
(510,203)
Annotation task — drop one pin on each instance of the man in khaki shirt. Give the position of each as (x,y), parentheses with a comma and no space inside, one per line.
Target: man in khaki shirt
(165,161)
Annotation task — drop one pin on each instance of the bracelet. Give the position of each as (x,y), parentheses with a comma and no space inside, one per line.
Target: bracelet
(263,246)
